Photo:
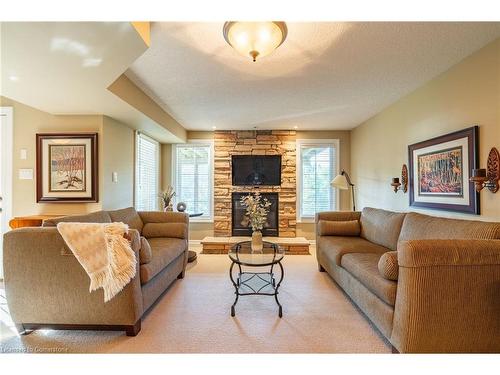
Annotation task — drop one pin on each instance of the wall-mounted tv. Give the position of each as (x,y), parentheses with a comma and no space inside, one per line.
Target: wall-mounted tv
(256,170)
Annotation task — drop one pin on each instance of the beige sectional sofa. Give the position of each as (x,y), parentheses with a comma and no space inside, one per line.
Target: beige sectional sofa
(428,284)
(47,287)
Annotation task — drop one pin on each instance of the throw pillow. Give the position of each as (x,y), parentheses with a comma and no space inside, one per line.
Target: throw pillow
(145,254)
(172,230)
(339,228)
(388,265)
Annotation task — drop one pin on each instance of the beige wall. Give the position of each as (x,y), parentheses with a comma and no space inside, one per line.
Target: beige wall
(114,139)
(166,166)
(117,155)
(465,95)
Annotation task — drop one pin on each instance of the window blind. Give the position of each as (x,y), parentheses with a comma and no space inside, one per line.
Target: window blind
(147,173)
(317,167)
(193,178)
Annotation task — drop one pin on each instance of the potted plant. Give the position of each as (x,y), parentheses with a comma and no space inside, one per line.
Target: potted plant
(167,197)
(257,209)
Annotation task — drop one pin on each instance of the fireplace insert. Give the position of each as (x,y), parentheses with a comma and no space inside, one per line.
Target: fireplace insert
(240,225)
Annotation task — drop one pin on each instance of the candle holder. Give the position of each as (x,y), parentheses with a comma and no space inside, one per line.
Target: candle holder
(403,185)
(489,177)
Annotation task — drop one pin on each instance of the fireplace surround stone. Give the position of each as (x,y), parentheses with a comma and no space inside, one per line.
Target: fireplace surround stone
(258,142)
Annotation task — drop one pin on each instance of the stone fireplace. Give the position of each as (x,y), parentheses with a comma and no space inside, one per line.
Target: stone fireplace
(258,142)
(240,226)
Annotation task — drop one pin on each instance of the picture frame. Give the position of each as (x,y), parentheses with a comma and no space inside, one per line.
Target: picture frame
(440,169)
(66,167)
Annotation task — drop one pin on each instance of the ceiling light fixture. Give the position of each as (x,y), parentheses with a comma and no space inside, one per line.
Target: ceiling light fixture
(255,39)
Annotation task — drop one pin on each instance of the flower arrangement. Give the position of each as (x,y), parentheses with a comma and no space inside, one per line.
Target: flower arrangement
(257,209)
(167,196)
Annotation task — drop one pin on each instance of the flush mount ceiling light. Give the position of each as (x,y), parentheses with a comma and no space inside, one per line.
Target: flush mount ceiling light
(255,39)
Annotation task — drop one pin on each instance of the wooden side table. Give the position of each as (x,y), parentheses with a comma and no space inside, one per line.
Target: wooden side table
(30,221)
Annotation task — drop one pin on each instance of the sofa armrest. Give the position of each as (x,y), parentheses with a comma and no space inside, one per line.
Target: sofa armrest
(448,296)
(45,286)
(164,217)
(424,253)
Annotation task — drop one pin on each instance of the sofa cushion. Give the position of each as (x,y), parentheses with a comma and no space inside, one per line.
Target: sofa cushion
(334,248)
(164,251)
(338,228)
(145,254)
(388,265)
(128,216)
(381,227)
(94,217)
(421,227)
(163,217)
(337,215)
(364,267)
(172,230)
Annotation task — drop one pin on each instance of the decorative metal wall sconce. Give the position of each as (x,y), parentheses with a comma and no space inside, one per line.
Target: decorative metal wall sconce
(488,178)
(403,185)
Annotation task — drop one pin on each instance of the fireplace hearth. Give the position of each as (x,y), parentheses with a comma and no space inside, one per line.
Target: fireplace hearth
(241,225)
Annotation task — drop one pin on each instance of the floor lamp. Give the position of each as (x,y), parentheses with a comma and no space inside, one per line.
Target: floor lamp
(343,182)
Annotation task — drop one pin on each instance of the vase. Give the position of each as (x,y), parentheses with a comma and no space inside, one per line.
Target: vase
(257,244)
(169,208)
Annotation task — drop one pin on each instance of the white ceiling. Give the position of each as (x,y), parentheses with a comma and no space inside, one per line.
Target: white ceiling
(325,75)
(66,67)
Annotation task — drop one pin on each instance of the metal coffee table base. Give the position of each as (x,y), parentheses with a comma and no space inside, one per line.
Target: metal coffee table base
(256,284)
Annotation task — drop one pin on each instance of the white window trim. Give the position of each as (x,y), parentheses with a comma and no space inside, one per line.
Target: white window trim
(136,169)
(314,142)
(206,142)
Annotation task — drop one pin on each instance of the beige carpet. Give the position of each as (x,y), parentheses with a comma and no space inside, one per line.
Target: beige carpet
(193,316)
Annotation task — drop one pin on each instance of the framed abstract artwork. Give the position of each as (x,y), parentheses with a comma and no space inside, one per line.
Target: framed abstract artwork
(66,167)
(440,169)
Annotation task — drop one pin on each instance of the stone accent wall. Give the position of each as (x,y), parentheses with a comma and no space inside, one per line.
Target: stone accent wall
(258,142)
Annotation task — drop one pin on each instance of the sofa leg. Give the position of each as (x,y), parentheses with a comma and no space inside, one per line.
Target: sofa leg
(181,275)
(394,350)
(22,331)
(320,268)
(134,330)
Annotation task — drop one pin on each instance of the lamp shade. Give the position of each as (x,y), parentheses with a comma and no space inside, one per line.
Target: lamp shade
(340,182)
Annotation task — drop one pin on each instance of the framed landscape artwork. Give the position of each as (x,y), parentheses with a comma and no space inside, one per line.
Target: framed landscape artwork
(66,167)
(440,169)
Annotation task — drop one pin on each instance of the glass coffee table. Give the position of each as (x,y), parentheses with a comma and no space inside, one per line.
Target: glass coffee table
(249,283)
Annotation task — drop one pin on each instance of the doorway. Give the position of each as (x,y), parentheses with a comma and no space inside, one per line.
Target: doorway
(6,145)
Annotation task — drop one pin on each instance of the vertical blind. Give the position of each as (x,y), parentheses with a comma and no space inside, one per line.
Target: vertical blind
(147,173)
(193,178)
(317,168)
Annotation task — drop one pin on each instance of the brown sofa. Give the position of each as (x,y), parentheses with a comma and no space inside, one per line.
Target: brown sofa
(47,287)
(436,289)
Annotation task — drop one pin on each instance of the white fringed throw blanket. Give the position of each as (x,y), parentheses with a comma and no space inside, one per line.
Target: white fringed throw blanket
(103,252)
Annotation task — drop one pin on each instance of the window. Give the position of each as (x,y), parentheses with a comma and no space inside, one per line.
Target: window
(147,173)
(317,165)
(193,177)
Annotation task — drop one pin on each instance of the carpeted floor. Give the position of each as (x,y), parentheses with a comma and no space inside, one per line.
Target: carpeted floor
(193,316)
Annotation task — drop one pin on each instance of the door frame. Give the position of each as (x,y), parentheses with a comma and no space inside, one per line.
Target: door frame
(7,130)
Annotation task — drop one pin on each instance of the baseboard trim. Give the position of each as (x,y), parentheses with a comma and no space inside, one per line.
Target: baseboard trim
(131,330)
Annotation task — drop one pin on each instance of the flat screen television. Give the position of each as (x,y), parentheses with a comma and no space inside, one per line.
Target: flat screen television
(256,170)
